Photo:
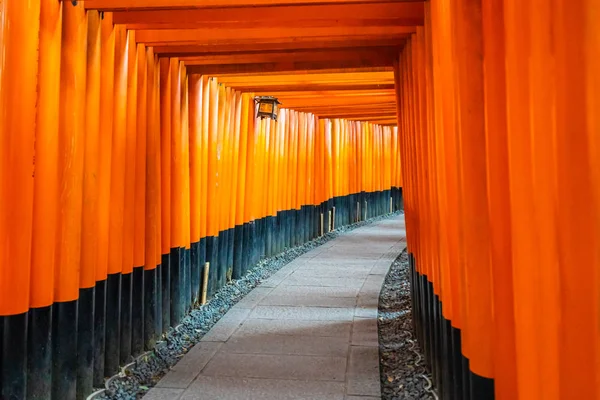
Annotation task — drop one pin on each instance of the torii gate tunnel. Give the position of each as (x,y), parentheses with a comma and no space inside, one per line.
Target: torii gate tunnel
(131,156)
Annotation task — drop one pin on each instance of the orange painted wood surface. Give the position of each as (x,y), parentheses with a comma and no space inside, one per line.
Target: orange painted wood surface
(19,40)
(107,77)
(46,186)
(90,213)
(190,4)
(71,153)
(130,155)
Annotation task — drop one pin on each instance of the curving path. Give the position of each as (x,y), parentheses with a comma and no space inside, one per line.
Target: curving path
(308,332)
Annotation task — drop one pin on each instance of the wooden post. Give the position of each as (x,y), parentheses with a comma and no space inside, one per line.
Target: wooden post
(321,231)
(333,219)
(205,284)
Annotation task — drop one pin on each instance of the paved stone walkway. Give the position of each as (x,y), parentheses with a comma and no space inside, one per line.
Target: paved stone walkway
(308,332)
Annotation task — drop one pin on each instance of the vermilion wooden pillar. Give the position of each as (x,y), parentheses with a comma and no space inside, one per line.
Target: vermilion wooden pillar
(165,187)
(19,41)
(152,259)
(475,221)
(90,214)
(505,373)
(117,203)
(196,188)
(71,169)
(107,75)
(45,204)
(576,54)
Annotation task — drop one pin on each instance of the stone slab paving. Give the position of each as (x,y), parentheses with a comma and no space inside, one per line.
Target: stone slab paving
(308,332)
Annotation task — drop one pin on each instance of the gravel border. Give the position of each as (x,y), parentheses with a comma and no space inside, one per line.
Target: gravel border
(402,366)
(137,378)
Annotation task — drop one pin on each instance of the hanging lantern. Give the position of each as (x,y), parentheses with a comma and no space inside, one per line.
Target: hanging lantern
(268,107)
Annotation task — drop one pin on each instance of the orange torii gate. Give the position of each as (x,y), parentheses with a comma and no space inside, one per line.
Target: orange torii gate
(131,156)
(149,162)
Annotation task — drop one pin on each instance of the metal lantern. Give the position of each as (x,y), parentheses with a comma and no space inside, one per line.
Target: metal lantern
(268,107)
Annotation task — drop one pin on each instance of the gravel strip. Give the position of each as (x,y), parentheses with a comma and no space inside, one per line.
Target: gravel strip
(403,372)
(137,378)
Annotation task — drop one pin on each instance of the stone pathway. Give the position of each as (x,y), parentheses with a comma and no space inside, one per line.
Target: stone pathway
(308,332)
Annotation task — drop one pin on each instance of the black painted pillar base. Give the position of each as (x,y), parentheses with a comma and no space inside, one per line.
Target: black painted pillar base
(300,226)
(252,244)
(345,210)
(175,286)
(201,261)
(222,260)
(138,302)
(246,249)
(350,209)
(85,340)
(230,252)
(277,233)
(186,280)
(99,332)
(238,253)
(320,210)
(308,223)
(194,273)
(436,337)
(39,353)
(261,239)
(185,274)
(113,325)
(165,291)
(126,327)
(481,388)
(293,229)
(430,328)
(446,361)
(150,309)
(466,376)
(312,222)
(212,255)
(222,263)
(159,301)
(310,226)
(339,212)
(442,345)
(361,200)
(14,356)
(64,350)
(285,229)
(457,364)
(269,235)
(315,216)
